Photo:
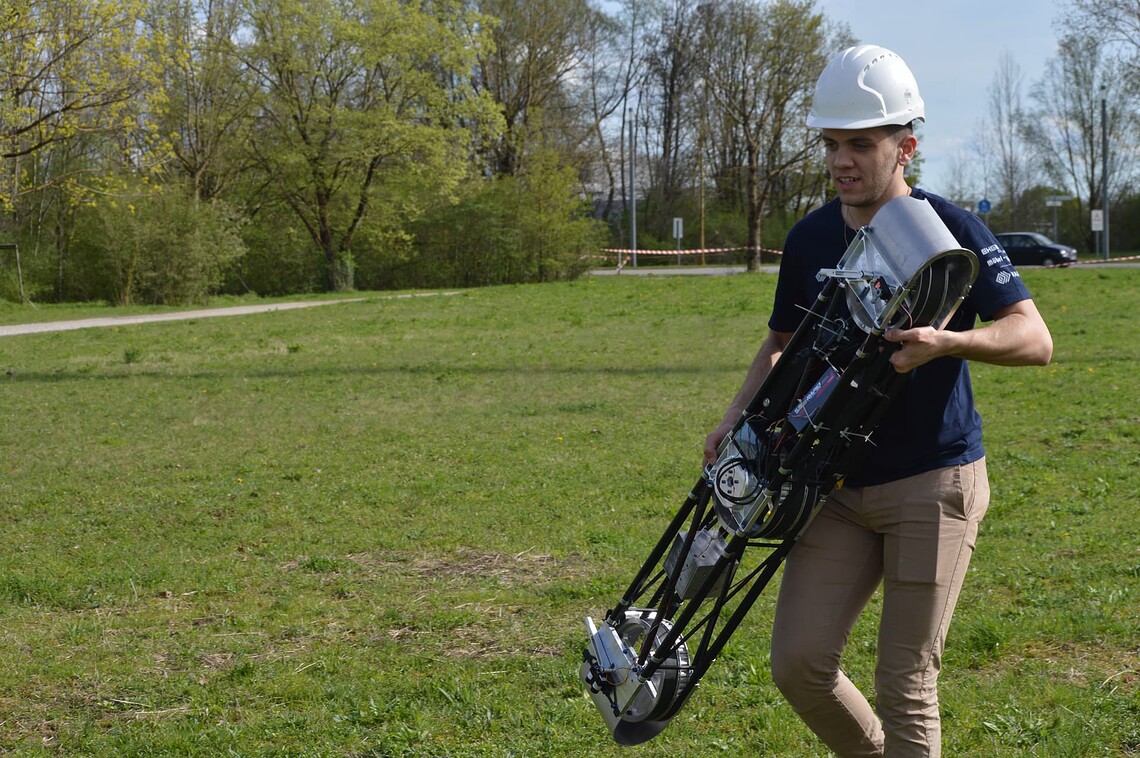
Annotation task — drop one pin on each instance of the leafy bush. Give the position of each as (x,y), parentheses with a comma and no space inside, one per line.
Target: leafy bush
(158,247)
(9,284)
(532,227)
(280,258)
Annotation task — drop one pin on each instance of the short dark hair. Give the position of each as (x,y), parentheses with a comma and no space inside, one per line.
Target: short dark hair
(894,129)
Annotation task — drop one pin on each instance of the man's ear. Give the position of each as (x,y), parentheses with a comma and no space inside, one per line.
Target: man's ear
(908,146)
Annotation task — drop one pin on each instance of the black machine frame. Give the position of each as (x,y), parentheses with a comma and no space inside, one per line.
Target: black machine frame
(805,429)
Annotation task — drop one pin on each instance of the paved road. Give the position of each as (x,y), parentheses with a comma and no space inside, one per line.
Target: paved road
(775,268)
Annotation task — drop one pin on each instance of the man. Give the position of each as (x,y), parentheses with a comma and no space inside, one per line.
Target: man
(909,517)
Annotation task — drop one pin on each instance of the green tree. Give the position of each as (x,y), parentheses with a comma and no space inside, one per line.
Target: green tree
(529,227)
(356,95)
(154,247)
(79,89)
(540,50)
(209,94)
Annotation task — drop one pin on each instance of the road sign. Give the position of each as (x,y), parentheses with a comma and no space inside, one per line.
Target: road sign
(678,228)
(1098,221)
(984,206)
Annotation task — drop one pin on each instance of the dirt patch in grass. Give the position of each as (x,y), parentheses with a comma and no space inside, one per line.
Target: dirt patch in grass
(478,642)
(1105,668)
(492,629)
(509,570)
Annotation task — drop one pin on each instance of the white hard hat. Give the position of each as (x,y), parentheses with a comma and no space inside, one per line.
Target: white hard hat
(865,86)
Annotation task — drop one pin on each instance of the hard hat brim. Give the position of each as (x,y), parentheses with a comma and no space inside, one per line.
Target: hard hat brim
(815,122)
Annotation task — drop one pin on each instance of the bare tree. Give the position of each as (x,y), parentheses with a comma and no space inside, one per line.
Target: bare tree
(1066,125)
(611,65)
(1014,163)
(1110,21)
(763,92)
(671,73)
(962,185)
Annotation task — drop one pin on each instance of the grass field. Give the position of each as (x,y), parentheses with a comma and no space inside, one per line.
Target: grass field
(374,528)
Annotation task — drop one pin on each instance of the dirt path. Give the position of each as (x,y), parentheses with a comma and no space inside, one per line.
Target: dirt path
(88,323)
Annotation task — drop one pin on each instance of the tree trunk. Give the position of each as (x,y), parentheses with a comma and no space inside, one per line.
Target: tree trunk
(755,206)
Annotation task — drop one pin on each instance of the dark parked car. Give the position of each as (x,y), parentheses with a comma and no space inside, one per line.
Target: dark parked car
(1032,249)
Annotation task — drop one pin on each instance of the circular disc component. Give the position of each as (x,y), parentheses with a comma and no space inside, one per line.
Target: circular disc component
(669,680)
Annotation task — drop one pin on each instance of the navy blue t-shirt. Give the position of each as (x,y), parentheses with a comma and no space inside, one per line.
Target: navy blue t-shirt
(933,422)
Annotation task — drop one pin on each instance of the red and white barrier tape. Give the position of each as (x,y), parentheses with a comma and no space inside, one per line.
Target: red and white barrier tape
(1108,260)
(699,251)
(629,252)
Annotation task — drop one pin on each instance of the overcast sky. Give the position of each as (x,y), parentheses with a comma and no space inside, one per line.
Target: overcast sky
(953,50)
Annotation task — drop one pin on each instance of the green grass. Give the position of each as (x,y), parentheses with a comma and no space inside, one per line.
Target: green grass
(374,529)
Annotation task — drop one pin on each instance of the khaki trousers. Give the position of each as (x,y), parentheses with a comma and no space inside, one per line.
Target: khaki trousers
(915,537)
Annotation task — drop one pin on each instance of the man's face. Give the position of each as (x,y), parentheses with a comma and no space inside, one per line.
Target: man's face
(863,163)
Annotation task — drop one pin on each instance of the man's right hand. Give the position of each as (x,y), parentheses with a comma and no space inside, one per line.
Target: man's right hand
(764,361)
(713,440)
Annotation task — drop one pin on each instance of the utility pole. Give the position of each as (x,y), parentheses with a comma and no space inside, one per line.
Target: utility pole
(1104,169)
(632,191)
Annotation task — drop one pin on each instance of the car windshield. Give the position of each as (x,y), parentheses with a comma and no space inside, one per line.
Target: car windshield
(1041,239)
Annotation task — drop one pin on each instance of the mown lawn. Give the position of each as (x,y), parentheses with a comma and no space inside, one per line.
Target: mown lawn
(374,528)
